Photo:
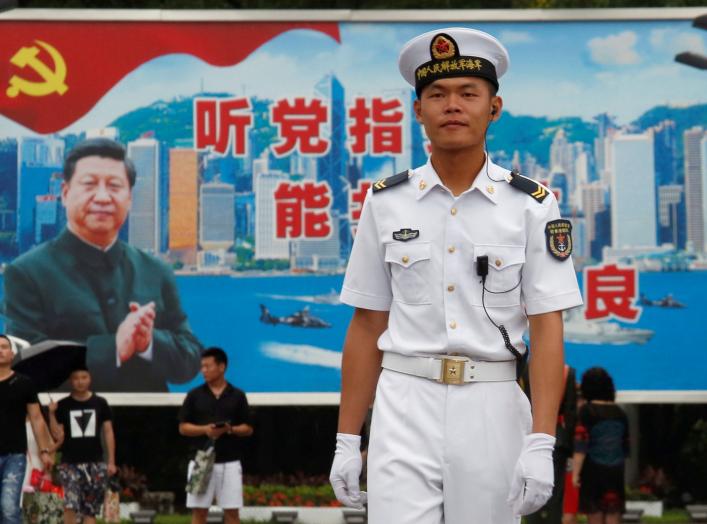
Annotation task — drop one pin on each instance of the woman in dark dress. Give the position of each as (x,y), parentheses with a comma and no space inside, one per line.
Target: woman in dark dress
(601,447)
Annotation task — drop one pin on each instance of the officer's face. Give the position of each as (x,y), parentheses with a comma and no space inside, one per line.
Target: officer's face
(456,111)
(97,199)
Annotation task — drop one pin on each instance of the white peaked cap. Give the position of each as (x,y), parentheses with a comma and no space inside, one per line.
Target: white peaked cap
(451,52)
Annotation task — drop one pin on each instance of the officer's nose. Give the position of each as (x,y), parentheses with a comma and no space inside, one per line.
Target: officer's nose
(452,104)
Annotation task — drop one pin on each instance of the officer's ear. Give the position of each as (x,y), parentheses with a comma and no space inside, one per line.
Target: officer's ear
(495,109)
(417,106)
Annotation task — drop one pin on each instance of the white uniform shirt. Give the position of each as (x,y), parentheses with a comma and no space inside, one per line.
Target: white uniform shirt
(430,284)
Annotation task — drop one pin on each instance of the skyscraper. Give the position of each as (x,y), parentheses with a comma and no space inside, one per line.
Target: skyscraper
(47,217)
(183,204)
(559,184)
(216,215)
(144,218)
(593,198)
(245,216)
(695,187)
(633,202)
(671,219)
(665,150)
(562,155)
(267,246)
(331,167)
(605,127)
(8,185)
(163,197)
(417,139)
(581,177)
(38,158)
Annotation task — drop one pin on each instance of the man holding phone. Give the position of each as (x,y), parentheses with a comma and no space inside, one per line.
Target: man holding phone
(219,411)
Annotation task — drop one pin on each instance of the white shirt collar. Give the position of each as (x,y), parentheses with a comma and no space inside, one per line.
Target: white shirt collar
(427,178)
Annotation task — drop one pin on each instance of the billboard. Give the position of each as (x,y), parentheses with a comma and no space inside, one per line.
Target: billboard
(255,141)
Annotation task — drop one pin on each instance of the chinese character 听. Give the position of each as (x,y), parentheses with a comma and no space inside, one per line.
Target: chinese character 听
(220,122)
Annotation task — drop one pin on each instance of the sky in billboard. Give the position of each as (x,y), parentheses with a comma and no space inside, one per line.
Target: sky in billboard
(557,69)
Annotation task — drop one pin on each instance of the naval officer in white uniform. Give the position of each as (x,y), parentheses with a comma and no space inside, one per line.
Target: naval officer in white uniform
(452,262)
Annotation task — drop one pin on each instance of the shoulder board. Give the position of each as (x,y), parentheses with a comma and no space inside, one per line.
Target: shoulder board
(385,183)
(527,185)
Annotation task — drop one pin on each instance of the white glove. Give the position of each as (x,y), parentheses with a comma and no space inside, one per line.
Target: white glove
(534,474)
(346,470)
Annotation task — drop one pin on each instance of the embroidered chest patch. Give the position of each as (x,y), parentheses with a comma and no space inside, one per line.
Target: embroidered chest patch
(406,234)
(558,236)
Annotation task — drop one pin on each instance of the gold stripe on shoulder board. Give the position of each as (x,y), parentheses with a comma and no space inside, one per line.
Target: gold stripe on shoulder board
(539,193)
(380,184)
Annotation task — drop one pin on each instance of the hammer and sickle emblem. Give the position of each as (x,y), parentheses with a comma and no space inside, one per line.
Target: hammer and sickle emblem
(53,79)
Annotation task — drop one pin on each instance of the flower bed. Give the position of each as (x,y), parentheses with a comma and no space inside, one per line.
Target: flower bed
(281,495)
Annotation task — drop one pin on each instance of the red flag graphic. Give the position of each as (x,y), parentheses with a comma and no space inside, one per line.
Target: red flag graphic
(53,73)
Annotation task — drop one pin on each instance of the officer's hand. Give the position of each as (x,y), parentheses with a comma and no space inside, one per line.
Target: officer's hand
(534,475)
(53,406)
(346,470)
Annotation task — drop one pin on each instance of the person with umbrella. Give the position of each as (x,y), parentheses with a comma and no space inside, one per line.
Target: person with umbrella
(77,422)
(18,400)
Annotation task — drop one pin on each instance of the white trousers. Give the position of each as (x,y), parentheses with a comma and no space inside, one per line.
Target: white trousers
(444,454)
(225,486)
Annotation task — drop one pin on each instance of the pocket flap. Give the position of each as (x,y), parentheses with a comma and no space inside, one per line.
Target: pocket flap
(406,254)
(500,257)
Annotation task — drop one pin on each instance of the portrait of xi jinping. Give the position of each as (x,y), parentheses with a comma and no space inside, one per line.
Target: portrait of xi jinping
(87,285)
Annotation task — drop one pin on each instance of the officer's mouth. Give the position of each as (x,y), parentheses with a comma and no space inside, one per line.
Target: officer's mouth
(452,124)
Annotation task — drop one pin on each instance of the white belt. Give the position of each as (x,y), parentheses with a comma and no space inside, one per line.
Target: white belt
(451,369)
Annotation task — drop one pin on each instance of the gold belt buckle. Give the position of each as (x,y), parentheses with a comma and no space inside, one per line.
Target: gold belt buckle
(452,371)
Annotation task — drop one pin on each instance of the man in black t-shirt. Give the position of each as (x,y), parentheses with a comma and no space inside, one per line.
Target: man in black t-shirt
(219,411)
(18,400)
(77,422)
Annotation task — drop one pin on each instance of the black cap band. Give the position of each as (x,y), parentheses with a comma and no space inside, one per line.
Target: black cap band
(454,67)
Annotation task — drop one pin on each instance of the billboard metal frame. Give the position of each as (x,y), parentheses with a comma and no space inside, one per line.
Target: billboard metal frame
(353,15)
(361,16)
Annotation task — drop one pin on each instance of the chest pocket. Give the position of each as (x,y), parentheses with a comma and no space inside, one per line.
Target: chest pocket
(503,280)
(410,268)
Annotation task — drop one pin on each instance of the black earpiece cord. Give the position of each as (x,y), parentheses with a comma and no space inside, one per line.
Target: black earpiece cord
(482,267)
